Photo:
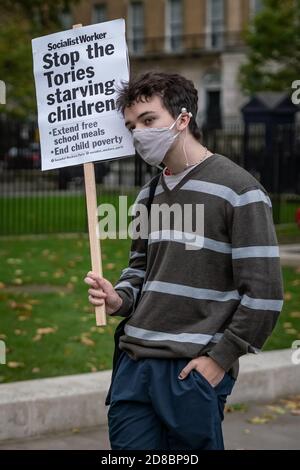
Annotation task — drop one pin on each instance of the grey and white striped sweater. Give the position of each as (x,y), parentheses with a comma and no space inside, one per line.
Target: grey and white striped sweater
(223,299)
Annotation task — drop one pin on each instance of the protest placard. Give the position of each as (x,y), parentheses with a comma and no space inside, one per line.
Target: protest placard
(77,74)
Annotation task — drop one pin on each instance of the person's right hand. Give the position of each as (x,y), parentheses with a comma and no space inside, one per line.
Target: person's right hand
(101,290)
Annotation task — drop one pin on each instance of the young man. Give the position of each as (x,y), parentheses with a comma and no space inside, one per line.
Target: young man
(193,312)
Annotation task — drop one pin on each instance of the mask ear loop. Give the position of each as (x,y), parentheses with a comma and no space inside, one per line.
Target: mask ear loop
(183,146)
(184,151)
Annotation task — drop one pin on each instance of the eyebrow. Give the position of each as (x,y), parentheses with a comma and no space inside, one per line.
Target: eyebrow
(140,116)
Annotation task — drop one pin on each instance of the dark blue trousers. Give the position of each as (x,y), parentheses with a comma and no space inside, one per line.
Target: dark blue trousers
(152,409)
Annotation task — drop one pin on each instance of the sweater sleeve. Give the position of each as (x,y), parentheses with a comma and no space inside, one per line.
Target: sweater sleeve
(130,282)
(257,277)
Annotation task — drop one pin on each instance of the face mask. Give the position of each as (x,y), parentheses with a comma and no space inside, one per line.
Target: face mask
(152,144)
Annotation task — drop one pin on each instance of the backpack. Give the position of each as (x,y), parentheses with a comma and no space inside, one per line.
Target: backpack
(119,331)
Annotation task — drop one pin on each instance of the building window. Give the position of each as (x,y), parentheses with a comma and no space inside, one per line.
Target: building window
(174,25)
(215,23)
(136,27)
(66,19)
(99,14)
(256,6)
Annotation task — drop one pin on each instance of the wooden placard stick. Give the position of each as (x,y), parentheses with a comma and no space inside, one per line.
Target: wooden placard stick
(91,205)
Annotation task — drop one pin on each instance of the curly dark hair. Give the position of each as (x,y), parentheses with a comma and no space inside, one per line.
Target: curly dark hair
(174,90)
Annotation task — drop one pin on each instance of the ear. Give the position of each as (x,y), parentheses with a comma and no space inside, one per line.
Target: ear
(183,121)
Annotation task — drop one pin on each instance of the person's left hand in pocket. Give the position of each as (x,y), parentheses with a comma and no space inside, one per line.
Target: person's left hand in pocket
(207,366)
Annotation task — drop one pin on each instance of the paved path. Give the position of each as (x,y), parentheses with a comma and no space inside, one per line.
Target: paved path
(280,432)
(290,254)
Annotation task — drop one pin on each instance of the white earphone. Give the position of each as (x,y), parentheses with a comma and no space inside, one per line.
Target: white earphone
(184,111)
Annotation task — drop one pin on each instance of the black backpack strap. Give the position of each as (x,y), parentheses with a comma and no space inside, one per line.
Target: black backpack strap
(152,188)
(119,331)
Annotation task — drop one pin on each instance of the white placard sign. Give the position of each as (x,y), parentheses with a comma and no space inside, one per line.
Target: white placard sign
(77,73)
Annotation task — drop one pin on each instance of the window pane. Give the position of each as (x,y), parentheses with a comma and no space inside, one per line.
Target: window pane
(99,13)
(257,6)
(217,22)
(175,15)
(137,26)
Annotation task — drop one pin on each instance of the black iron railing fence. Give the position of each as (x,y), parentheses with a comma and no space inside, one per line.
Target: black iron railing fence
(32,201)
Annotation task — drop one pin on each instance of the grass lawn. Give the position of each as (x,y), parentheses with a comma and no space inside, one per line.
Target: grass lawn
(49,333)
(53,333)
(60,213)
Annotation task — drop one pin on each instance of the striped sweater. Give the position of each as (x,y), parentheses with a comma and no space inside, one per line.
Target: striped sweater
(221,299)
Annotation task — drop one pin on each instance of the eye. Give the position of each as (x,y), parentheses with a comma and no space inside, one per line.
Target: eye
(148,121)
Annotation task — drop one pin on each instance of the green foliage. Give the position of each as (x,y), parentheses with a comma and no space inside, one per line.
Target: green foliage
(273,39)
(20,21)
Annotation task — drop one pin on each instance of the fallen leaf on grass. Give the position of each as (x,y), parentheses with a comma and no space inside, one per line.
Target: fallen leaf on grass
(97,329)
(2,285)
(291,331)
(34,301)
(22,306)
(58,274)
(70,285)
(92,367)
(46,331)
(287,296)
(295,314)
(35,370)
(43,331)
(43,274)
(24,316)
(110,266)
(84,339)
(87,341)
(15,365)
(14,261)
(19,332)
